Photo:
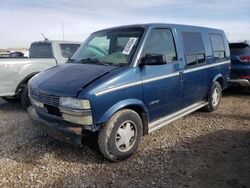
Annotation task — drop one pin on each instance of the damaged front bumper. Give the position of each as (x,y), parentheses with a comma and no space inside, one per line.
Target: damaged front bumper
(59,129)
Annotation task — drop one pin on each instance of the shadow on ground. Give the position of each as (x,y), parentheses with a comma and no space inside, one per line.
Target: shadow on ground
(236,91)
(9,107)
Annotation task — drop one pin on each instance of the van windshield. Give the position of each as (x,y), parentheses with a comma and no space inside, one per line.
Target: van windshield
(109,47)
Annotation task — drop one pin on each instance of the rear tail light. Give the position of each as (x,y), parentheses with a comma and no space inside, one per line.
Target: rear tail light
(245,77)
(245,59)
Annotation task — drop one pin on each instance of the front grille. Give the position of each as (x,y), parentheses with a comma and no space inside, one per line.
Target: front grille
(44,98)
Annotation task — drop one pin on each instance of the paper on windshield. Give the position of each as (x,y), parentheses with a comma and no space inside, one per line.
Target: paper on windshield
(131,42)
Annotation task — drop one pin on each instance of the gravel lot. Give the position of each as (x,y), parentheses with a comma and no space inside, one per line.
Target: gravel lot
(200,150)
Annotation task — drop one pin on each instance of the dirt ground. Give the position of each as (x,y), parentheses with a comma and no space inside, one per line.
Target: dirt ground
(200,150)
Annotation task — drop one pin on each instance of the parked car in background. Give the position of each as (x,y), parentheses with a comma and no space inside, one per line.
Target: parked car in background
(16,72)
(16,54)
(4,54)
(240,58)
(129,81)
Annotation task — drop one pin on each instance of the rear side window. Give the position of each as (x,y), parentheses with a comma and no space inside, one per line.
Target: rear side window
(218,47)
(41,50)
(238,49)
(161,41)
(67,50)
(193,48)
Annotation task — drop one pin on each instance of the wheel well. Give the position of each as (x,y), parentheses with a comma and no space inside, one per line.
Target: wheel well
(24,82)
(143,115)
(220,81)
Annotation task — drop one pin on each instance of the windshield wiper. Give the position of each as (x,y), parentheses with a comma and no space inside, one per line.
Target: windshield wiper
(94,61)
(71,60)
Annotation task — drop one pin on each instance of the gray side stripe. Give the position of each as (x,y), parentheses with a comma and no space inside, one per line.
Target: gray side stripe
(118,87)
(205,66)
(108,90)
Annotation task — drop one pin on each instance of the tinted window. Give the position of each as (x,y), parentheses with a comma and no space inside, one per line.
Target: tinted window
(192,43)
(160,41)
(218,46)
(237,49)
(41,50)
(68,50)
(217,42)
(193,48)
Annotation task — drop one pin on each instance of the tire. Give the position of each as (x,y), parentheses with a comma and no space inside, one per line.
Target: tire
(214,97)
(24,98)
(119,138)
(13,99)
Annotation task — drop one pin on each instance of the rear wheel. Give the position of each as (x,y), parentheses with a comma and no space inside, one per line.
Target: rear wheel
(214,97)
(120,137)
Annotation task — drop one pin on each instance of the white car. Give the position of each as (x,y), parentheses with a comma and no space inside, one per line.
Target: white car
(16,72)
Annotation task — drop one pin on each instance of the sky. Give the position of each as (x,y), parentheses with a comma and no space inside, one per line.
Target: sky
(23,21)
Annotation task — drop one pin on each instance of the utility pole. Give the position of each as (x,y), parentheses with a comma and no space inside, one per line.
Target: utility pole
(62,30)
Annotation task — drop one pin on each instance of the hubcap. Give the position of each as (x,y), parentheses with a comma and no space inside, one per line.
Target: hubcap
(215,96)
(125,136)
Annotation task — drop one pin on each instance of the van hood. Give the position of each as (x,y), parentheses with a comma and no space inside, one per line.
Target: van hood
(68,79)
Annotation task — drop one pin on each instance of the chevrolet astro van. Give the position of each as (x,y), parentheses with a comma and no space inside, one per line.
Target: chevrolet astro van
(125,82)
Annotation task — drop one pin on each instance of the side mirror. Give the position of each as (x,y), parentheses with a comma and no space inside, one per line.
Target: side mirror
(153,59)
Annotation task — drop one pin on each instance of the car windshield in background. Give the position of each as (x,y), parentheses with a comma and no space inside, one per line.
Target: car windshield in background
(110,47)
(41,50)
(237,49)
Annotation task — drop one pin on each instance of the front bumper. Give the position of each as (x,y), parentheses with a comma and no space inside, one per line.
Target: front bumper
(61,130)
(240,82)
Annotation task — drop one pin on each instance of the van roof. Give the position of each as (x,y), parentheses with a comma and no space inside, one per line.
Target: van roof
(158,25)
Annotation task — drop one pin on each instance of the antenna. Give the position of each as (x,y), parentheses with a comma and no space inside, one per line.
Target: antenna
(44,37)
(62,30)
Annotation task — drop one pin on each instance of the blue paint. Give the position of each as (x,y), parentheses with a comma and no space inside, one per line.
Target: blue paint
(240,68)
(148,87)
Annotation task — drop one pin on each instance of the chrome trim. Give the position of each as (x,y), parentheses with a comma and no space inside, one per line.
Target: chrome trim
(205,66)
(36,103)
(172,117)
(160,77)
(117,88)
(75,112)
(136,83)
(241,82)
(108,90)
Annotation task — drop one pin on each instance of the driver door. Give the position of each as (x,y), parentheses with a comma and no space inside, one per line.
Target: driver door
(162,84)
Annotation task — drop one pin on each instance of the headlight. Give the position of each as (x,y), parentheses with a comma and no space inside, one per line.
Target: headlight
(73,103)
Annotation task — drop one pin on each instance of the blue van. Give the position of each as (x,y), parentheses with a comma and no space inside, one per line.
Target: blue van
(128,81)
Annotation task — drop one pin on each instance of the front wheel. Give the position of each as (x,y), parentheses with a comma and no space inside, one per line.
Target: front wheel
(24,98)
(214,97)
(120,137)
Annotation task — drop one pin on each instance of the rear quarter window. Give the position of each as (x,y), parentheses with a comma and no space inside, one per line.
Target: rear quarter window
(218,47)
